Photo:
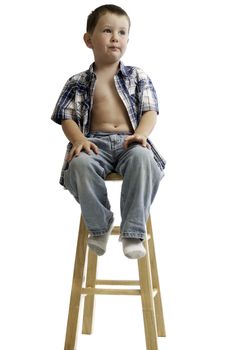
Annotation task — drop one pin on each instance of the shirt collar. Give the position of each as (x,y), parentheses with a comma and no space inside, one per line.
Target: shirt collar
(123,69)
(91,69)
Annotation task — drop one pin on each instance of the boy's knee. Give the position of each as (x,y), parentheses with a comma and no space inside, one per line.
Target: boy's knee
(143,158)
(80,164)
(141,155)
(84,166)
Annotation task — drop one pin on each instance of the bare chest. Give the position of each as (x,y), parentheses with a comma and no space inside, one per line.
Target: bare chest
(106,93)
(108,112)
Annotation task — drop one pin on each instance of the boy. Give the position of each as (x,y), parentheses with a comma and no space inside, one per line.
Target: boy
(107,113)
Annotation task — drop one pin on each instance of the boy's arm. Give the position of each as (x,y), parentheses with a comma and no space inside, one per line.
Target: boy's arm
(145,127)
(78,140)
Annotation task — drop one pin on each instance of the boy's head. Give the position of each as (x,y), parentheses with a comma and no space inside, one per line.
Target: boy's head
(107,33)
(95,15)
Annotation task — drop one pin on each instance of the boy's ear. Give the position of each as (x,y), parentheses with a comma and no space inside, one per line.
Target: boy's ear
(87,40)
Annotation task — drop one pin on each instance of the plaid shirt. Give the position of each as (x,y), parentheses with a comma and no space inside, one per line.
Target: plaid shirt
(133,86)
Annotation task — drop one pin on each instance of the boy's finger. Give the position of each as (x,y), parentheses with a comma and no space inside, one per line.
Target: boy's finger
(125,143)
(144,143)
(87,149)
(128,138)
(70,155)
(94,147)
(77,150)
(74,152)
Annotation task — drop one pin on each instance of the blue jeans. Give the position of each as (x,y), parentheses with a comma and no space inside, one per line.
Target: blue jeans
(85,176)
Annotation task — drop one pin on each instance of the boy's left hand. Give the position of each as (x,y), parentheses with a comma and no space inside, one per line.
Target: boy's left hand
(136,138)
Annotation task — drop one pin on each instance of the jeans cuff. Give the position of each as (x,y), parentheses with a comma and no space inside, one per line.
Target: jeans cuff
(132,235)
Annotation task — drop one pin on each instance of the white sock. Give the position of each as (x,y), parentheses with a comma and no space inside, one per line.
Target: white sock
(133,248)
(98,243)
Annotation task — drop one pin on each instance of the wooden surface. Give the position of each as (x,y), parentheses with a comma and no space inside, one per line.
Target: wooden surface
(78,274)
(87,326)
(148,283)
(147,300)
(114,177)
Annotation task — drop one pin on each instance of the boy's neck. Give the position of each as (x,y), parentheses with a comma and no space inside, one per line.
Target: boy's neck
(110,68)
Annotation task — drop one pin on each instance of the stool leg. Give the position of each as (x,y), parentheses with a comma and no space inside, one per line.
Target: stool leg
(147,301)
(74,307)
(155,283)
(87,327)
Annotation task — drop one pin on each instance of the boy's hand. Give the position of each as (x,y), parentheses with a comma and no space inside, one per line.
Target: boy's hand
(85,145)
(136,138)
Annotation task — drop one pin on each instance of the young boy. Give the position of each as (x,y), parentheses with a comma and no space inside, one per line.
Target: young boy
(107,112)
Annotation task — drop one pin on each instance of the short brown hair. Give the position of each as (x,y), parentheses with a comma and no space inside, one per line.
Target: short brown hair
(100,11)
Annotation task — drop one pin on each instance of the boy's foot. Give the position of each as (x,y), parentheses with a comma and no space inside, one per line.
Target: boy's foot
(133,248)
(98,243)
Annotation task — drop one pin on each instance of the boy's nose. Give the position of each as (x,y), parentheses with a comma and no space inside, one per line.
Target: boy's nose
(114,37)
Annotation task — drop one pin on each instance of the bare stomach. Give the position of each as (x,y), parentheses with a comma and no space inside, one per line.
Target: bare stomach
(110,117)
(109,127)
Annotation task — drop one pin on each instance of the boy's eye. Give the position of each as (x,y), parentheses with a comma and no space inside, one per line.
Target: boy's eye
(107,30)
(122,32)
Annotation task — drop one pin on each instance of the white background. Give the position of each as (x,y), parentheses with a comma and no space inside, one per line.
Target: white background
(185,47)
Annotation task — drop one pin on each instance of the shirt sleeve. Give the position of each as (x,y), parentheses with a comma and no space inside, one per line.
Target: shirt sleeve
(65,106)
(149,96)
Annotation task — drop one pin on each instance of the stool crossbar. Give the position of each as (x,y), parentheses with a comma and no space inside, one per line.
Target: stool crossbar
(148,287)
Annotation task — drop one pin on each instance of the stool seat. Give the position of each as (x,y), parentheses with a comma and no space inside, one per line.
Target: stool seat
(148,287)
(113,177)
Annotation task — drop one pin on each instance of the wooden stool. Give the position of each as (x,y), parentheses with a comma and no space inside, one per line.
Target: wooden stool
(148,283)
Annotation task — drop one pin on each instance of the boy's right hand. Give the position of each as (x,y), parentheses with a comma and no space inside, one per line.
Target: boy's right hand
(77,147)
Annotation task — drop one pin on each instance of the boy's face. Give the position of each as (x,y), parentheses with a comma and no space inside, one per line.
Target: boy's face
(109,38)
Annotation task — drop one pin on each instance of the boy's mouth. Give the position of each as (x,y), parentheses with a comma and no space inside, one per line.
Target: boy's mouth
(114,48)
